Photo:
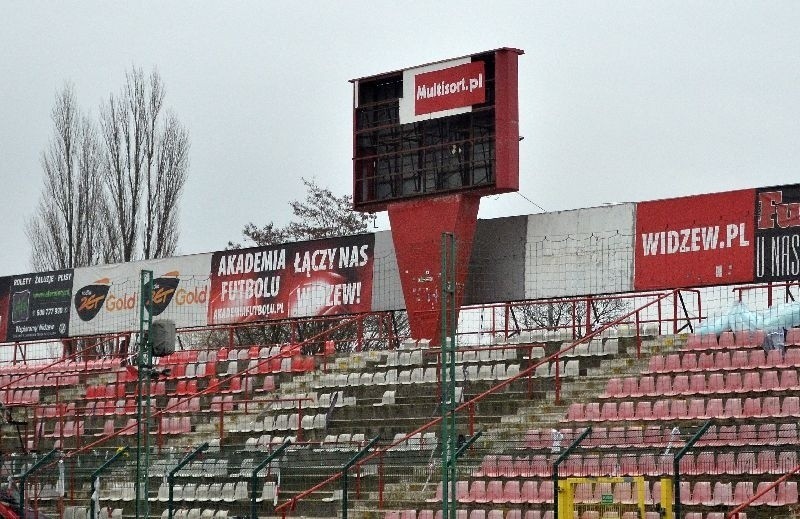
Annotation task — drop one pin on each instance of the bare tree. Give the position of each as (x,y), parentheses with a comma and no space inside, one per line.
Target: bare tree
(145,153)
(554,315)
(67,228)
(321,215)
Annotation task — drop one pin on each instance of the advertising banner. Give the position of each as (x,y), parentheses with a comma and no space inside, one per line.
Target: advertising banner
(322,277)
(695,241)
(38,306)
(777,247)
(106,299)
(454,86)
(5,317)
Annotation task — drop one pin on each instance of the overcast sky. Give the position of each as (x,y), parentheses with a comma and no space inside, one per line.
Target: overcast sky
(619,101)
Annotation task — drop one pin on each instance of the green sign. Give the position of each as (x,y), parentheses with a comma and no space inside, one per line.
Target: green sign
(607,499)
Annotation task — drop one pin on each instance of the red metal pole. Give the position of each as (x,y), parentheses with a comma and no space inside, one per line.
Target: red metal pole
(638,337)
(588,315)
(558,380)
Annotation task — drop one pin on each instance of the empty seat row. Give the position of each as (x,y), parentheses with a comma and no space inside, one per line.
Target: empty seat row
(724,360)
(227,492)
(655,436)
(743,339)
(595,347)
(699,384)
(193,513)
(682,409)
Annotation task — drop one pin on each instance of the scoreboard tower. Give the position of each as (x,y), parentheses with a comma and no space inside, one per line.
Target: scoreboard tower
(428,143)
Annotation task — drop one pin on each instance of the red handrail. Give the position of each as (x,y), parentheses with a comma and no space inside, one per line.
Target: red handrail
(292,502)
(734,514)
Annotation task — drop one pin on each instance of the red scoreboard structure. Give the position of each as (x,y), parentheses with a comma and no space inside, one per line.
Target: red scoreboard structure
(428,142)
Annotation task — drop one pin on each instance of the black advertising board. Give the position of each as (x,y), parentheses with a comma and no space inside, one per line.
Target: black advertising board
(777,233)
(38,306)
(5,285)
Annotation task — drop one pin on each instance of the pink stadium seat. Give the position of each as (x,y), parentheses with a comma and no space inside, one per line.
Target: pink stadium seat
(522,467)
(744,339)
(774,358)
(680,385)
(672,362)
(697,409)
(752,407)
(626,410)
(697,384)
(746,434)
(545,494)
(644,410)
(694,342)
(770,381)
(505,467)
(751,381)
(787,493)
(686,493)
(705,361)
(591,411)
(609,463)
(726,463)
(714,408)
(739,360)
(656,364)
(647,387)
(689,362)
(528,492)
(660,410)
(770,407)
(722,360)
(494,492)
(791,407)
(512,492)
(688,465)
(514,513)
(608,411)
(733,408)
(792,357)
(679,409)
(715,384)
(767,462)
(769,496)
(647,464)
(591,465)
(767,434)
(788,379)
(701,493)
(787,433)
(477,514)
(626,464)
(757,359)
(653,436)
(540,465)
(663,385)
(613,388)
(745,463)
(723,494)
(488,466)
(616,434)
(575,413)
(793,336)
(634,436)
(598,437)
(705,463)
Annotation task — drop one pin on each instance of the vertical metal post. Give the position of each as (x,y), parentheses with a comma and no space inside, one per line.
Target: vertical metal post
(254,476)
(145,366)
(346,467)
(24,477)
(562,457)
(448,375)
(676,465)
(96,474)
(171,476)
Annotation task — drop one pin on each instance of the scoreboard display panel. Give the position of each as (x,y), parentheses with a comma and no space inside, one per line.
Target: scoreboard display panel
(449,126)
